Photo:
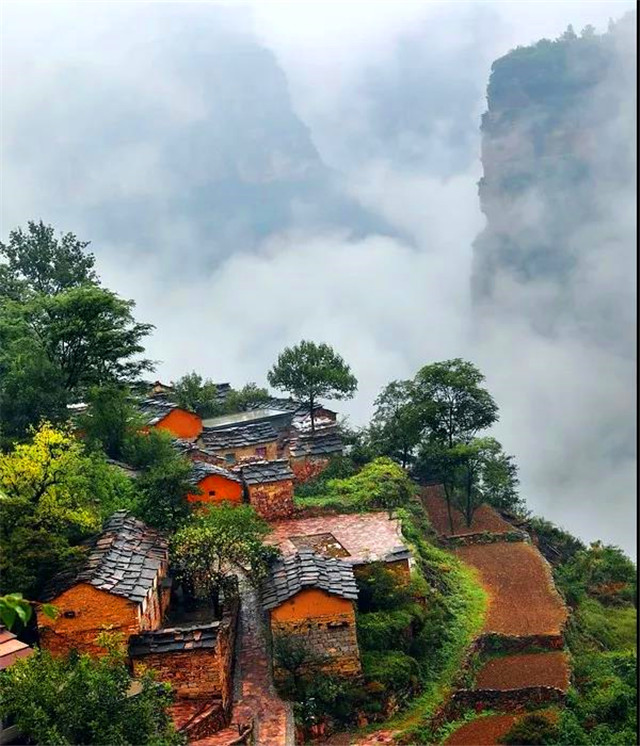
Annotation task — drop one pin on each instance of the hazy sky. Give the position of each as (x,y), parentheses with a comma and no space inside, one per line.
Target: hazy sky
(118,121)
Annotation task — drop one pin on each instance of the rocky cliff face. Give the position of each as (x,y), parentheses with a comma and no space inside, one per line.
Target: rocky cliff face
(558,152)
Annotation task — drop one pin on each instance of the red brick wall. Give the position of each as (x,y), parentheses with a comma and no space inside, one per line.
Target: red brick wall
(273,500)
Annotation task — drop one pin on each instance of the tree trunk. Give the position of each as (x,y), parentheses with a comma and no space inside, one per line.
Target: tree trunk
(448,499)
(313,422)
(469,511)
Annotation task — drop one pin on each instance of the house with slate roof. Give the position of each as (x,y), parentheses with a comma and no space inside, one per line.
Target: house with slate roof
(312,599)
(197,660)
(215,484)
(121,583)
(242,442)
(309,454)
(166,415)
(269,486)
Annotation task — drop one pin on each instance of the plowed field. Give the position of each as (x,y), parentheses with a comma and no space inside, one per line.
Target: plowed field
(485,731)
(484,519)
(525,670)
(522,598)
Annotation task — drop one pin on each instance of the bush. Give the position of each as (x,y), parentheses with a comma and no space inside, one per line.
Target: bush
(388,630)
(533,729)
(379,589)
(394,670)
(339,467)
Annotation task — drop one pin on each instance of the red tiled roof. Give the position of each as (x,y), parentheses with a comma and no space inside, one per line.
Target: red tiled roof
(11,648)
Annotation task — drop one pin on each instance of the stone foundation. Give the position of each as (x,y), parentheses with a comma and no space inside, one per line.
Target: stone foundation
(273,500)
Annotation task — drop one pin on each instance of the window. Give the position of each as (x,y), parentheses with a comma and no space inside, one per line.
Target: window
(212,493)
(69,614)
(230,458)
(261,451)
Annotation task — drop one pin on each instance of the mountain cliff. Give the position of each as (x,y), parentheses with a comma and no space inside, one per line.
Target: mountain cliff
(558,153)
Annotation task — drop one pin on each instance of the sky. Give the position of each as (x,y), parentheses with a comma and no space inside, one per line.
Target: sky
(254,175)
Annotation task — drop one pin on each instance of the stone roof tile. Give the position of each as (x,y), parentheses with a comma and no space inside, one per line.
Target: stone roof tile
(238,436)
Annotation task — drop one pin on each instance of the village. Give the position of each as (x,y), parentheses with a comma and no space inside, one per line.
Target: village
(241,658)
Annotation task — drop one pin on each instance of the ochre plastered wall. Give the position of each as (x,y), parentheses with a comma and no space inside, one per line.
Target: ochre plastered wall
(225,489)
(181,424)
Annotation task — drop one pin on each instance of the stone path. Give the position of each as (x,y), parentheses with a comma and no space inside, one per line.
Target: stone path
(255,699)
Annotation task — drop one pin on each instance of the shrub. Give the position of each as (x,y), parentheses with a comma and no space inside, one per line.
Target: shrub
(379,589)
(395,670)
(388,630)
(534,729)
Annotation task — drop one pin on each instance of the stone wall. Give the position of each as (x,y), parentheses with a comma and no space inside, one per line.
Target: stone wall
(307,468)
(331,638)
(273,500)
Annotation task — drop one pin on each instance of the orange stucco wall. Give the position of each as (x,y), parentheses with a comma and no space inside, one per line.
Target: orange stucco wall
(311,603)
(225,489)
(93,610)
(181,423)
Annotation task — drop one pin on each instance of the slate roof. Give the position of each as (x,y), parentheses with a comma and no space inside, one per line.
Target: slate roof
(124,559)
(323,443)
(262,472)
(11,648)
(274,402)
(239,436)
(202,469)
(154,409)
(305,569)
(175,639)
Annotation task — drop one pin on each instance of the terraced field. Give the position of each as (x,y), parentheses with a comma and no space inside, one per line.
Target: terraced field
(484,518)
(522,598)
(486,730)
(525,670)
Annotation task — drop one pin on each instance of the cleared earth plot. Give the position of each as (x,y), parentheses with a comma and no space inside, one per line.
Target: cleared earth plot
(525,670)
(485,518)
(522,598)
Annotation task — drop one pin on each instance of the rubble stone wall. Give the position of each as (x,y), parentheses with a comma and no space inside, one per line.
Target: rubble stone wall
(273,500)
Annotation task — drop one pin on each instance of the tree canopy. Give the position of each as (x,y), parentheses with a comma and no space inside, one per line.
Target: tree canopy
(310,371)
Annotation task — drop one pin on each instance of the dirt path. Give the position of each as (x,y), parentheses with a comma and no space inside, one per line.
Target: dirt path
(255,698)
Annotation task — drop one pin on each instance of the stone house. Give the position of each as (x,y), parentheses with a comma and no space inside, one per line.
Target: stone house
(310,454)
(166,415)
(242,442)
(312,599)
(197,660)
(269,487)
(191,451)
(121,584)
(216,484)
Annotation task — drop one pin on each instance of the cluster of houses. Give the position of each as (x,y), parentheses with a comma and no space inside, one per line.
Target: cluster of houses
(124,582)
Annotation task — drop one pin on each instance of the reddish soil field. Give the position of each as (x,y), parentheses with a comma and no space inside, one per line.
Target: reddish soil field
(484,519)
(485,731)
(524,670)
(522,598)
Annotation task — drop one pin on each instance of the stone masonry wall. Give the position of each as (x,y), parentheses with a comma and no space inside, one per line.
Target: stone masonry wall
(307,468)
(191,673)
(273,500)
(332,638)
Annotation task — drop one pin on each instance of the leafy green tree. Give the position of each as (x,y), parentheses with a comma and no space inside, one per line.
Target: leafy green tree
(312,371)
(38,262)
(90,334)
(162,492)
(250,395)
(85,700)
(455,405)
(14,607)
(215,543)
(500,483)
(111,419)
(51,498)
(398,422)
(198,395)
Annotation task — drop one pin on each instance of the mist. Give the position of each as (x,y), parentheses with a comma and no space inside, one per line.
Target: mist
(254,176)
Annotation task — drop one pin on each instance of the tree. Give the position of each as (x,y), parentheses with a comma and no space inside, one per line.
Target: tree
(310,371)
(213,544)
(38,262)
(250,395)
(51,498)
(85,700)
(455,405)
(398,421)
(198,395)
(111,419)
(501,482)
(14,607)
(162,491)
(90,334)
